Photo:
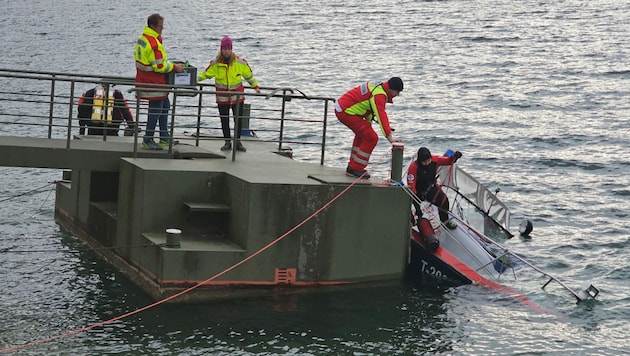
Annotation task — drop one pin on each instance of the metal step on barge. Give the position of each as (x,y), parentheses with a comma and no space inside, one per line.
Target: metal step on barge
(198,223)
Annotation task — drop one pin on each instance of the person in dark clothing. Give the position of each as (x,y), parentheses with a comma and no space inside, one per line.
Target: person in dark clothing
(104,109)
(421,178)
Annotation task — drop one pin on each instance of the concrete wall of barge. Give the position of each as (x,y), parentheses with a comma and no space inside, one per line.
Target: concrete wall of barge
(153,195)
(343,243)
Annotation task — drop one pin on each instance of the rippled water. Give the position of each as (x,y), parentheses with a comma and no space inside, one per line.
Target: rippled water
(535,93)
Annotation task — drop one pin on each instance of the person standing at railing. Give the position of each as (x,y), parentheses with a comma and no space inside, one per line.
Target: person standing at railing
(104,108)
(152,66)
(229,71)
(357,109)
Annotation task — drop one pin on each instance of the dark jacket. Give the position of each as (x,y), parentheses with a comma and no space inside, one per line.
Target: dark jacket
(120,113)
(420,178)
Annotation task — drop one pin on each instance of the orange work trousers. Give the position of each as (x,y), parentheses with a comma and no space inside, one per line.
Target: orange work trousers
(365,139)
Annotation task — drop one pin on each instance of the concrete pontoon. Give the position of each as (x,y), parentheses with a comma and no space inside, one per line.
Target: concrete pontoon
(227,205)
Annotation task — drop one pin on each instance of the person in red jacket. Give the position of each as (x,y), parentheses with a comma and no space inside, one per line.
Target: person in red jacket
(421,178)
(356,109)
(152,67)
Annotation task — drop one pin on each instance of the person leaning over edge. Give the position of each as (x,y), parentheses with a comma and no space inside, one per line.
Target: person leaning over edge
(152,66)
(98,113)
(228,71)
(356,109)
(422,179)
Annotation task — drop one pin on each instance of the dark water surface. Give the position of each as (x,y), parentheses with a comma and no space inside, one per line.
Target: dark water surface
(535,93)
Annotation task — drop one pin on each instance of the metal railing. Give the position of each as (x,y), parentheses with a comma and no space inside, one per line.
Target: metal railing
(45,104)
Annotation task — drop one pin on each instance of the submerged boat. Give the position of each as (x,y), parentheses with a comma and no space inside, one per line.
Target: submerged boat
(471,253)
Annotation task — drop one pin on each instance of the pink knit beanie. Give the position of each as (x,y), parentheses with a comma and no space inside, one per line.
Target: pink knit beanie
(226,43)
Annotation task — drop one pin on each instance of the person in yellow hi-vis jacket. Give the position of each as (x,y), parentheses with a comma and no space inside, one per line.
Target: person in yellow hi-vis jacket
(356,109)
(152,66)
(229,71)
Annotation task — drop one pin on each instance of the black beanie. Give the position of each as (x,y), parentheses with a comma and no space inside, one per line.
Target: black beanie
(423,154)
(395,83)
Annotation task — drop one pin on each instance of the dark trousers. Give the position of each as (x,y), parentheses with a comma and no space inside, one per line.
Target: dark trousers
(224,113)
(158,115)
(94,128)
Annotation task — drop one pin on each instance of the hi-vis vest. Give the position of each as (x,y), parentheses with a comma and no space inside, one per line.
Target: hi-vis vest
(102,109)
(229,77)
(359,101)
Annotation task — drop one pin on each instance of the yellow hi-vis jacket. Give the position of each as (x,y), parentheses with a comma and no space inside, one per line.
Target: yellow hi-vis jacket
(229,77)
(152,64)
(368,101)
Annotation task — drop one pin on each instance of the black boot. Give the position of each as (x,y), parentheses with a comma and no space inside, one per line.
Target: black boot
(227,146)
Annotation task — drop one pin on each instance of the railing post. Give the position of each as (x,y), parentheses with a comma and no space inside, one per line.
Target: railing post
(199,116)
(52,105)
(70,106)
(321,158)
(237,125)
(135,138)
(284,100)
(106,109)
(172,129)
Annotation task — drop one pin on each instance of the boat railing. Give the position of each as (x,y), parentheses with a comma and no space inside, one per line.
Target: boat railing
(45,105)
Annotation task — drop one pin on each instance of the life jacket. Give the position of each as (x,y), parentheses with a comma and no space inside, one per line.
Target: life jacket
(102,108)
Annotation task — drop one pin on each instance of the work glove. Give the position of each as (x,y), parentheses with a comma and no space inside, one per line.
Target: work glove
(457,155)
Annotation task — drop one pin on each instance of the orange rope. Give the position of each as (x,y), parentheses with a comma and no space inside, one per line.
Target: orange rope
(73,332)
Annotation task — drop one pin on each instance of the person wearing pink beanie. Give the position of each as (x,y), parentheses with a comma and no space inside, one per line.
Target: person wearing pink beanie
(228,71)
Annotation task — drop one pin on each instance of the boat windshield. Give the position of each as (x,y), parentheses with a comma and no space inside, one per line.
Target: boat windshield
(474,203)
